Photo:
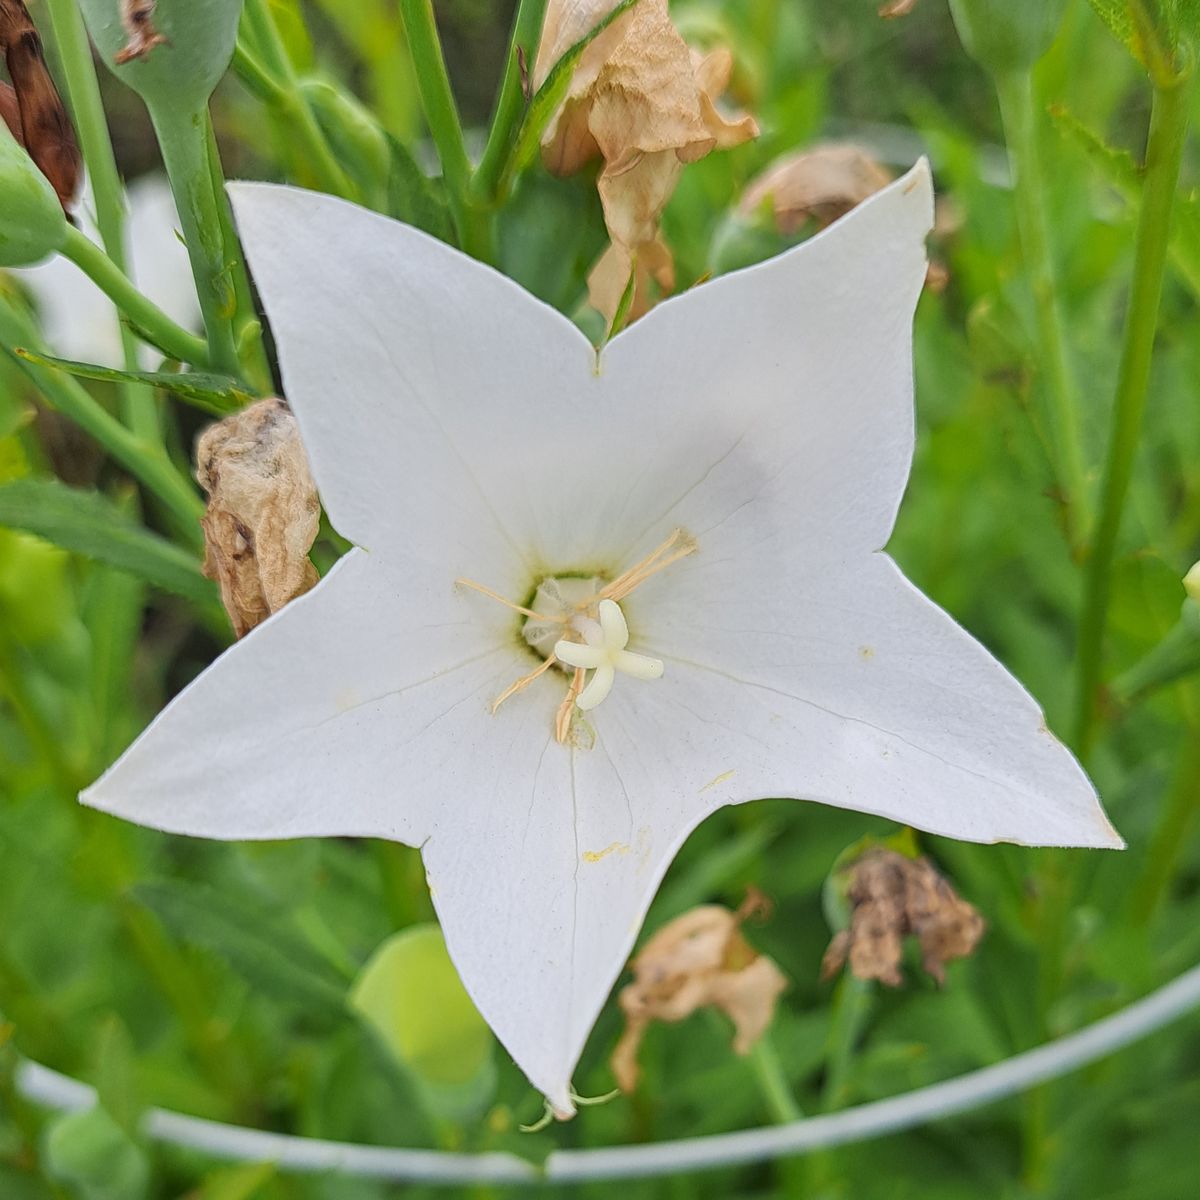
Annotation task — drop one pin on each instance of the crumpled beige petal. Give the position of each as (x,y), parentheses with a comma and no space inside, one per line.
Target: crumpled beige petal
(654,276)
(821,185)
(263,512)
(645,103)
(894,896)
(699,959)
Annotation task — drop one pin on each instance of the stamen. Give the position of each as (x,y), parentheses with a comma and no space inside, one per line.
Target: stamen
(657,560)
(566,710)
(487,591)
(522,683)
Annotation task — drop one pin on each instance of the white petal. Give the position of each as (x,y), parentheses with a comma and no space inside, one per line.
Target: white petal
(612,621)
(597,689)
(856,690)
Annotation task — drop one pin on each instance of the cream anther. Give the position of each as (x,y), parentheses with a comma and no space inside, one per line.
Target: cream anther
(603,652)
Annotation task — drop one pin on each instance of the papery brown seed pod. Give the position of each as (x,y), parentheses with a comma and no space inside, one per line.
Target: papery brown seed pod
(46,131)
(137,19)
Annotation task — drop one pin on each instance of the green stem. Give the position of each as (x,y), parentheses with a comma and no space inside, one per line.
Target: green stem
(146,461)
(183,139)
(1017,110)
(510,103)
(140,309)
(275,80)
(1164,150)
(441,115)
(772,1082)
(137,402)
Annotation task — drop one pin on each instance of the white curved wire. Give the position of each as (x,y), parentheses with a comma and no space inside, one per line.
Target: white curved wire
(967,1092)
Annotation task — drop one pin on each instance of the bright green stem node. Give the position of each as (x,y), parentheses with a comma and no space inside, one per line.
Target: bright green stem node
(1164,150)
(173,339)
(1015,91)
(183,139)
(83,89)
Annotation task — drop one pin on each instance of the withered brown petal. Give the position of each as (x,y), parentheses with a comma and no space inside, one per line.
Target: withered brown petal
(891,897)
(137,19)
(46,130)
(697,960)
(263,512)
(10,113)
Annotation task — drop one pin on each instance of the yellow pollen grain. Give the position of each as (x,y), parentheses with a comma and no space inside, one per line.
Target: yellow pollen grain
(723,778)
(594,856)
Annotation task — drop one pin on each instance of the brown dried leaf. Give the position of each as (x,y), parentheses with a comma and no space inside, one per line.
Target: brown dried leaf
(137,19)
(892,897)
(46,130)
(645,103)
(263,512)
(699,959)
(821,185)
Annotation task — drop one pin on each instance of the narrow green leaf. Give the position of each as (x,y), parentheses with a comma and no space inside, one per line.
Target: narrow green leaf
(549,96)
(90,524)
(415,198)
(215,394)
(261,947)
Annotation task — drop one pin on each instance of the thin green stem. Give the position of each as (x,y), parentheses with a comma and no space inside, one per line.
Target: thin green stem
(273,78)
(146,461)
(510,103)
(1164,150)
(139,308)
(138,409)
(183,139)
(441,115)
(772,1082)
(1017,110)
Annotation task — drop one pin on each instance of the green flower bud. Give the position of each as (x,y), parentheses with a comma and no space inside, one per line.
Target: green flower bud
(181,70)
(1007,35)
(355,132)
(1191,583)
(32,224)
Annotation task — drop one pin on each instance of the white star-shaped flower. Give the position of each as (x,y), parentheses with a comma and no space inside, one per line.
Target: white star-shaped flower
(725,474)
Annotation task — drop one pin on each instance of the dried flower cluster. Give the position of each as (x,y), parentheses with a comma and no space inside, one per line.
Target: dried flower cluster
(699,959)
(263,512)
(644,103)
(32,107)
(893,897)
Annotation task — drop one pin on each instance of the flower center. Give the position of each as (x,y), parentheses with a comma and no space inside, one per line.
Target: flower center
(576,624)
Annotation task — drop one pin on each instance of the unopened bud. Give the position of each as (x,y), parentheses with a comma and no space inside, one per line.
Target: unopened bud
(32,224)
(1191,583)
(1007,35)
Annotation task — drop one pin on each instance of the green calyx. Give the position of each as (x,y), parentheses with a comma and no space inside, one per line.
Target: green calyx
(182,71)
(32,224)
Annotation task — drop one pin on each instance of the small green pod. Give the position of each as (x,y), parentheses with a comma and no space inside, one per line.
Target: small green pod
(181,72)
(32,224)
(1007,36)
(356,135)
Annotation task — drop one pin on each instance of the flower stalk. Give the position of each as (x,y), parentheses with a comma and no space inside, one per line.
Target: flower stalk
(83,89)
(1018,113)
(1164,151)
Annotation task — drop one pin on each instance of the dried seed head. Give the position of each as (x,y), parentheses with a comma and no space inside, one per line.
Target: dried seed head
(263,512)
(45,128)
(891,897)
(699,959)
(818,185)
(137,19)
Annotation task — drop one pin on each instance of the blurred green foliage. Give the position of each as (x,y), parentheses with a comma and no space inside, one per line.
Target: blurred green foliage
(214,978)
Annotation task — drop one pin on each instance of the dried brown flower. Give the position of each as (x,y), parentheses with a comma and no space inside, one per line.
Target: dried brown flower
(137,19)
(45,128)
(645,103)
(893,896)
(10,112)
(821,185)
(699,959)
(263,512)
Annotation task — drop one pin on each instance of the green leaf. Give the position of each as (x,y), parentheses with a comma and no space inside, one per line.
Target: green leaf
(93,1155)
(410,994)
(215,394)
(549,96)
(237,1183)
(261,947)
(116,1084)
(90,524)
(415,198)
